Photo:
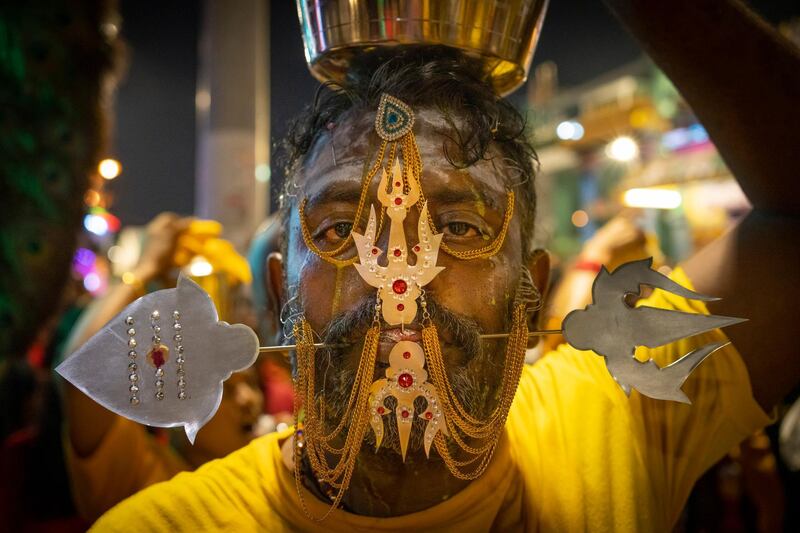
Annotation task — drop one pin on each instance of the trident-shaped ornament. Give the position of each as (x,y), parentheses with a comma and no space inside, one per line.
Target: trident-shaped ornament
(612,328)
(406,380)
(399,283)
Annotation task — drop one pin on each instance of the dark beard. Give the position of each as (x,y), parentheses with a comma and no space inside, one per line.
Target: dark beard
(475,383)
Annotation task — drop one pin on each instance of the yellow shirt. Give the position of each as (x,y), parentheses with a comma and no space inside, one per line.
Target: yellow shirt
(577,455)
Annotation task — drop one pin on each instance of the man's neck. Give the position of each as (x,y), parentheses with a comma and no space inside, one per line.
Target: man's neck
(383,486)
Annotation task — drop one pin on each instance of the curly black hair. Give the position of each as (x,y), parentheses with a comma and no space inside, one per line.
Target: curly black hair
(436,77)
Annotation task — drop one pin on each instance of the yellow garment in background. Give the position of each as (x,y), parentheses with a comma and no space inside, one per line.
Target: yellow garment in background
(204,238)
(577,455)
(127,460)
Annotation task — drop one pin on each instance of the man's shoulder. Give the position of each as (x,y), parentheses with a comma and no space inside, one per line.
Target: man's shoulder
(218,494)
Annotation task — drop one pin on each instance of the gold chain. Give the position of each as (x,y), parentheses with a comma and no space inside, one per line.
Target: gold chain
(329,255)
(318,444)
(357,414)
(492,248)
(457,419)
(413,162)
(311,245)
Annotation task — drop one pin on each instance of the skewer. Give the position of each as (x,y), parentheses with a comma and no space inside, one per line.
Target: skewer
(287,347)
(539,333)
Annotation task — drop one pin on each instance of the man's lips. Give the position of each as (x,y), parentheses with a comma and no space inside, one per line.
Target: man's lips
(390,337)
(409,332)
(395,335)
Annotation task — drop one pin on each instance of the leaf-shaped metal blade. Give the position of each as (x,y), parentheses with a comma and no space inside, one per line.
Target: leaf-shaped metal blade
(212,350)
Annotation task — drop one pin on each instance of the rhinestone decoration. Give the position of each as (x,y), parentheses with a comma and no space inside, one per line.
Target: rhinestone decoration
(399,286)
(181,373)
(405,380)
(394,118)
(133,376)
(158,355)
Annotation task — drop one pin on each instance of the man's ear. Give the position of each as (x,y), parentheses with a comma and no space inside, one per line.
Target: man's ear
(539,266)
(273,284)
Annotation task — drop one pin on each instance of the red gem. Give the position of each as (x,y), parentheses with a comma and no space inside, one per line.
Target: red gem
(375,251)
(405,380)
(416,248)
(406,355)
(397,184)
(381,410)
(398,201)
(397,252)
(400,307)
(404,413)
(428,415)
(158,358)
(399,286)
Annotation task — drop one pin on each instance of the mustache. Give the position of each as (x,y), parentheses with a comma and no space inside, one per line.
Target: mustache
(469,380)
(351,325)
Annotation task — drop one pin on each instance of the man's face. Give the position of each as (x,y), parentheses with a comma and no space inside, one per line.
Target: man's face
(467,298)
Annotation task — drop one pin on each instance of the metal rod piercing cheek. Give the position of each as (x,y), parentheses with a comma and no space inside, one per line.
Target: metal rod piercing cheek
(288,347)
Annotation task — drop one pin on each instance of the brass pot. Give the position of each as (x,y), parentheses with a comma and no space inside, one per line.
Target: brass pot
(502,34)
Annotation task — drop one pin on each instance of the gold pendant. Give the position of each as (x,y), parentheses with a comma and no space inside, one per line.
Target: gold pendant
(406,380)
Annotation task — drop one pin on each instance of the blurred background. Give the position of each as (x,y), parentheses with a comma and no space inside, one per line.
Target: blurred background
(208,91)
(202,85)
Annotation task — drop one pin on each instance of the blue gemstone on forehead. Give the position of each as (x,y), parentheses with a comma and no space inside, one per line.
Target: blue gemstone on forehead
(394,118)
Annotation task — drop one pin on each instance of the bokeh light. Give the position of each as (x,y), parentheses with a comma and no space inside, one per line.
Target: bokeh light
(95,224)
(652,198)
(109,168)
(580,218)
(569,130)
(622,149)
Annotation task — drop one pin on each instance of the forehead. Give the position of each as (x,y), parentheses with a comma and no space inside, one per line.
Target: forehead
(336,164)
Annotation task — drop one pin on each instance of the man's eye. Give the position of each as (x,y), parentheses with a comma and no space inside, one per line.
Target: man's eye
(340,230)
(461,229)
